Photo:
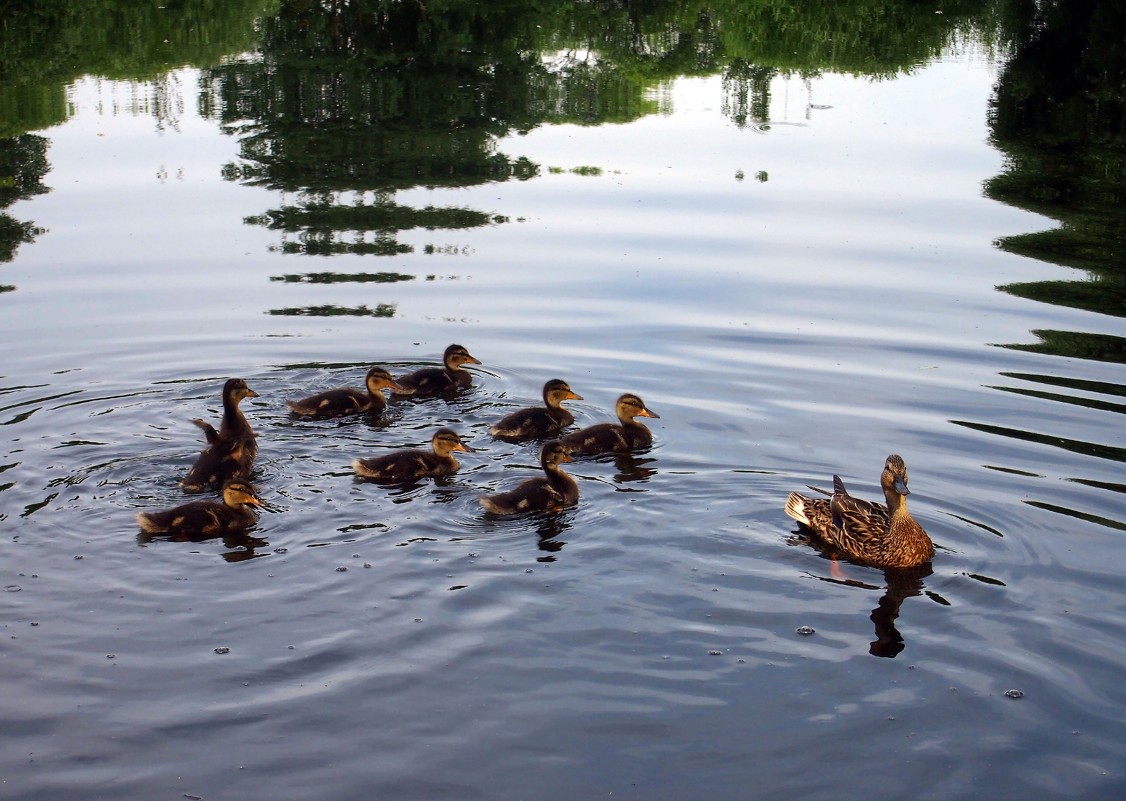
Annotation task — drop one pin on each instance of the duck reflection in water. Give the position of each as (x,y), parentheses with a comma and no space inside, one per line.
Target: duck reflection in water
(899,584)
(632,469)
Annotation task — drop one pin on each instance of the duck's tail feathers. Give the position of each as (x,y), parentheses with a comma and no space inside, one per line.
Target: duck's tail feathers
(147,524)
(838,486)
(795,508)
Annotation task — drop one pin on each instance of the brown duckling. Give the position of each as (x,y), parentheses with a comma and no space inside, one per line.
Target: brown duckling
(205,518)
(869,532)
(550,492)
(231,450)
(430,381)
(536,422)
(402,467)
(614,437)
(340,402)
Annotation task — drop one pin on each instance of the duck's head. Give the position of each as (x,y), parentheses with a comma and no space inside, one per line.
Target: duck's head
(237,492)
(236,389)
(456,355)
(446,440)
(556,391)
(630,406)
(378,378)
(554,453)
(894,476)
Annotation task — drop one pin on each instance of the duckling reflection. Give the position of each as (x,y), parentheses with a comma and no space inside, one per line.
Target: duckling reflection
(549,528)
(633,470)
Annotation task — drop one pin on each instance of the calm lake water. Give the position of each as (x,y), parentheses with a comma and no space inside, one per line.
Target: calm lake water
(799,284)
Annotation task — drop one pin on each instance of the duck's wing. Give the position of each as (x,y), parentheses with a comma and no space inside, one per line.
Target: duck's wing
(860,525)
(208,431)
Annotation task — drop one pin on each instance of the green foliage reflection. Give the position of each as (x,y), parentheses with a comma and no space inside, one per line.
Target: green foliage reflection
(1059,114)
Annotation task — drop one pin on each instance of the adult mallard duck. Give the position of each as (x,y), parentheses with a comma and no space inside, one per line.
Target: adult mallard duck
(536,422)
(231,450)
(550,492)
(402,467)
(339,402)
(205,518)
(431,381)
(881,536)
(626,435)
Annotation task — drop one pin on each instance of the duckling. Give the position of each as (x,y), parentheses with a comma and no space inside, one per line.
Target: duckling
(611,437)
(205,518)
(864,530)
(537,423)
(430,381)
(339,402)
(231,450)
(402,467)
(551,492)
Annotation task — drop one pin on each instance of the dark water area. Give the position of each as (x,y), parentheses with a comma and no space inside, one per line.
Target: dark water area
(806,239)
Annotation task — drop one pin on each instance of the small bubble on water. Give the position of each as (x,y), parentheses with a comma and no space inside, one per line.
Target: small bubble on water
(805,631)
(77,557)
(35,622)
(292,647)
(367,564)
(342,569)
(473,554)
(418,620)
(222,649)
(111,656)
(281,549)
(1014,693)
(527,570)
(13,588)
(715,653)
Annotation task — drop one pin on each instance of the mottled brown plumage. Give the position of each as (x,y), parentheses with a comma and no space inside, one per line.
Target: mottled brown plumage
(625,435)
(431,381)
(231,450)
(881,536)
(550,492)
(344,401)
(400,467)
(200,519)
(538,422)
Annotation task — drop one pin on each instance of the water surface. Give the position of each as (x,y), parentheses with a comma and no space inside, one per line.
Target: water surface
(799,287)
